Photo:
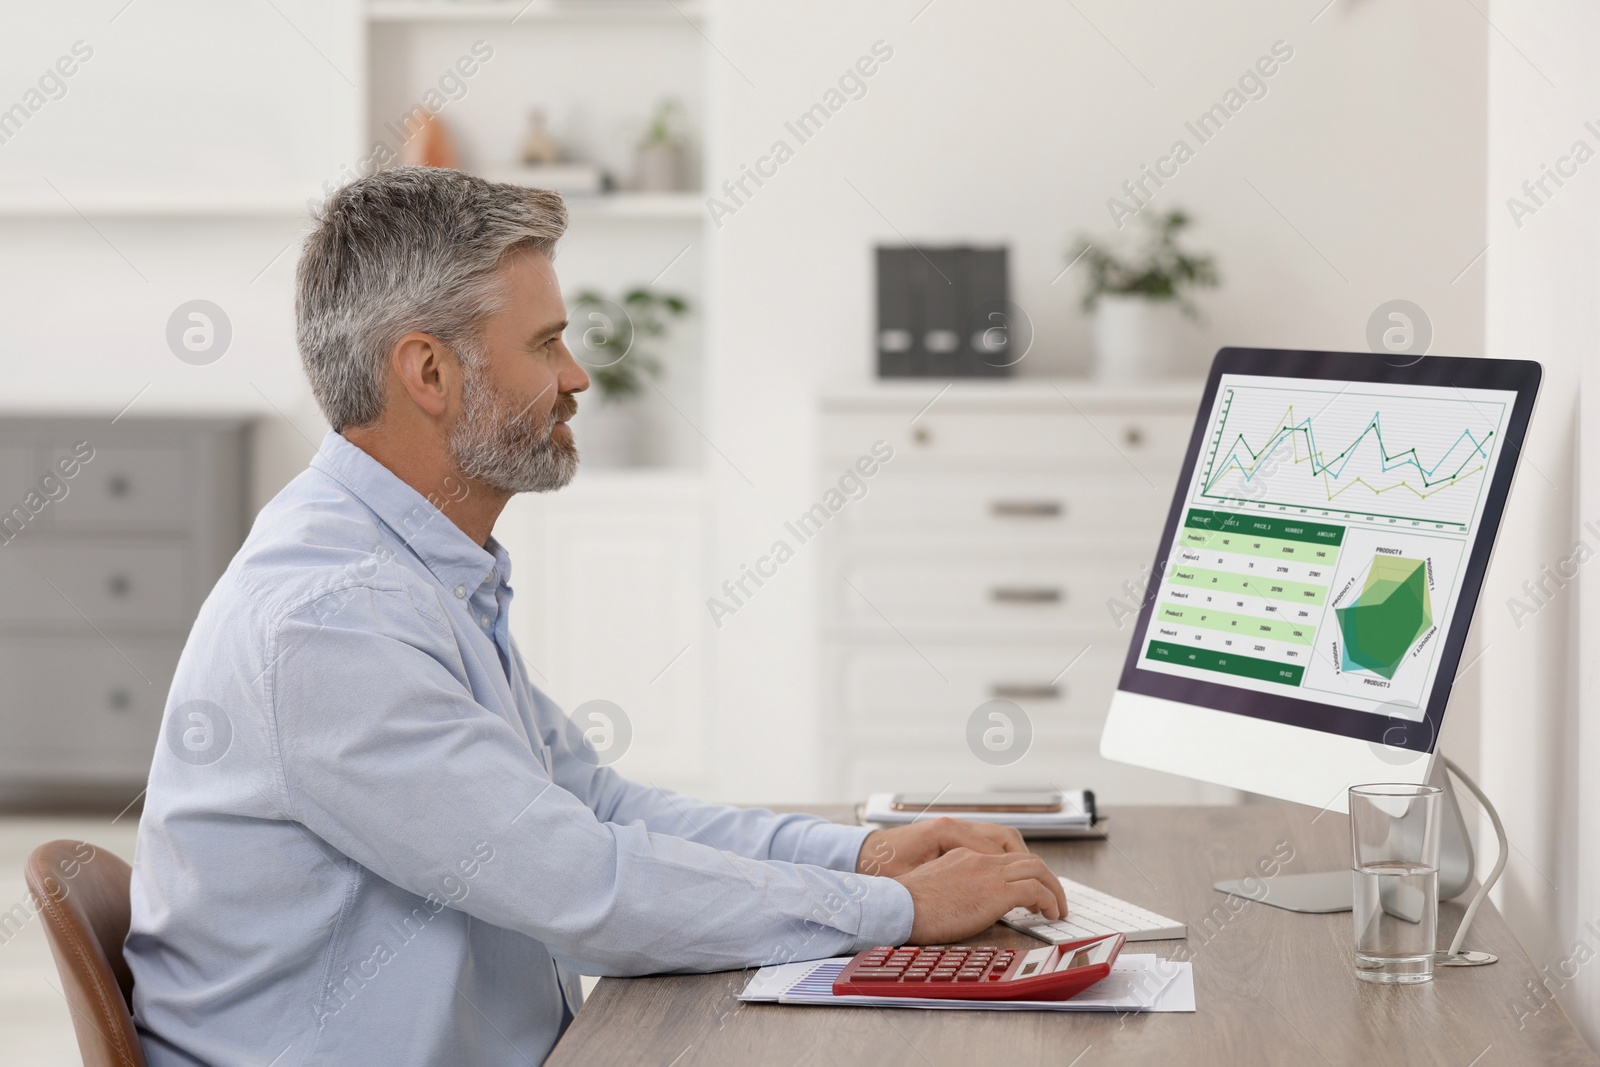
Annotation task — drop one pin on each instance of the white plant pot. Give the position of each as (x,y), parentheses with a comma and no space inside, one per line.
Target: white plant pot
(659,168)
(1136,338)
(609,433)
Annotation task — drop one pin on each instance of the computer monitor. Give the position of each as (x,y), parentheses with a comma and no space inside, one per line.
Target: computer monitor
(1319,568)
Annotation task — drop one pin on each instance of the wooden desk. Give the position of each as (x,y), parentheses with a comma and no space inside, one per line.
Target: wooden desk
(1272,987)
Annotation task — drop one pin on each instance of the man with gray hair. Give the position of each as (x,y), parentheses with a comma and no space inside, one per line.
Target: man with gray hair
(368,838)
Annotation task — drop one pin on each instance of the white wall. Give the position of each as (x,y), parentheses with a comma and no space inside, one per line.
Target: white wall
(174,167)
(1017,122)
(1539,705)
(1358,178)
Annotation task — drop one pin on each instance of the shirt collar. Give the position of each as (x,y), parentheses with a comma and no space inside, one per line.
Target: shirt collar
(444,548)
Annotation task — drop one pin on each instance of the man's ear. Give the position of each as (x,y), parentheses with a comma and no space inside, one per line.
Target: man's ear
(427,371)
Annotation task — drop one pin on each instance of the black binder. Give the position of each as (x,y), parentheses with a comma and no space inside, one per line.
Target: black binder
(943,312)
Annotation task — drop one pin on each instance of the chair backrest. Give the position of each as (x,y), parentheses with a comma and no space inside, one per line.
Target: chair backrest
(82,896)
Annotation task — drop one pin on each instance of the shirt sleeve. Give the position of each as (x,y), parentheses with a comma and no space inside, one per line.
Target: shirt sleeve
(384,754)
(752,832)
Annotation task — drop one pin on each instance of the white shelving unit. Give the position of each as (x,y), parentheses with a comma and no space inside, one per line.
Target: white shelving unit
(152,203)
(155,203)
(660,207)
(596,68)
(523,11)
(613,567)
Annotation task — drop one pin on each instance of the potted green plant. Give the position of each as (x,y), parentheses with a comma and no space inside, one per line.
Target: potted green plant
(661,155)
(613,340)
(1139,296)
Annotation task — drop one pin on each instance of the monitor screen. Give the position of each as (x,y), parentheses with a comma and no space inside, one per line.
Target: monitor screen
(1327,543)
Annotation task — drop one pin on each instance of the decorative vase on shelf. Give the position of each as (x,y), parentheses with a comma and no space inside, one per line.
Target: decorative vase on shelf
(1136,338)
(538,147)
(431,146)
(658,168)
(661,157)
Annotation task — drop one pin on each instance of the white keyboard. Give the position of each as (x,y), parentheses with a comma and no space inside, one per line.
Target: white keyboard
(1091,913)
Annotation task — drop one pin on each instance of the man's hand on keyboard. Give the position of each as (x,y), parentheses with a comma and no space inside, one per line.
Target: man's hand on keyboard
(964,892)
(892,852)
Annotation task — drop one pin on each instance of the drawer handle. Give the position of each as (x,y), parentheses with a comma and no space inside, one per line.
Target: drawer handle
(1133,436)
(119,585)
(118,485)
(1011,594)
(1025,691)
(1027,509)
(922,435)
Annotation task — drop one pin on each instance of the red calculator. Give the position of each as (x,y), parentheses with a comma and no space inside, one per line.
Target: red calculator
(961,972)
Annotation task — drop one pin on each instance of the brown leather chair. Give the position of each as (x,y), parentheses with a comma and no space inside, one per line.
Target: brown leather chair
(82,895)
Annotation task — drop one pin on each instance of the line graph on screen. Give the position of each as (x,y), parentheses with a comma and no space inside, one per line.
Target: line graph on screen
(1396,460)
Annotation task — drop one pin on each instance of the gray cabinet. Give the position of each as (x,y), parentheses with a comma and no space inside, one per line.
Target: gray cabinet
(111,535)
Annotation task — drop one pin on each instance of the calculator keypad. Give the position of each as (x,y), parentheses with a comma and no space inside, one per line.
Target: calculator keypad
(979,972)
(936,964)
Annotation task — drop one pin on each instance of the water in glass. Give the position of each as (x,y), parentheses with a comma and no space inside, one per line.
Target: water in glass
(1396,917)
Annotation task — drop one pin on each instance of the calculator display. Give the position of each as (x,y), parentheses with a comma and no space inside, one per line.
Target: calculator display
(1099,952)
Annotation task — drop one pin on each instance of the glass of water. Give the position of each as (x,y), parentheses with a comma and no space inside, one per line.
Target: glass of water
(1394,840)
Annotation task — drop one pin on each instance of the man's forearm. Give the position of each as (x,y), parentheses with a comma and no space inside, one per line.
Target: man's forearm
(751,832)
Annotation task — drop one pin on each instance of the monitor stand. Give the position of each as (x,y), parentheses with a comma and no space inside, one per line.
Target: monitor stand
(1329,891)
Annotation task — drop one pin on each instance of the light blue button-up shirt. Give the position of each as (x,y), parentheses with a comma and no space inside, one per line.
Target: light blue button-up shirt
(369,839)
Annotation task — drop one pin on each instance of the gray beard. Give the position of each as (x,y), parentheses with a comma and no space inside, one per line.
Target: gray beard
(504,447)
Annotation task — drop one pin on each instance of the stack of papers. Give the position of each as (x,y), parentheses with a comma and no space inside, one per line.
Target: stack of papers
(1072,820)
(1138,982)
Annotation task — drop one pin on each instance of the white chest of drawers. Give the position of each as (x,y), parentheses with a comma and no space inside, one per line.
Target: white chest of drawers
(992,558)
(101,574)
